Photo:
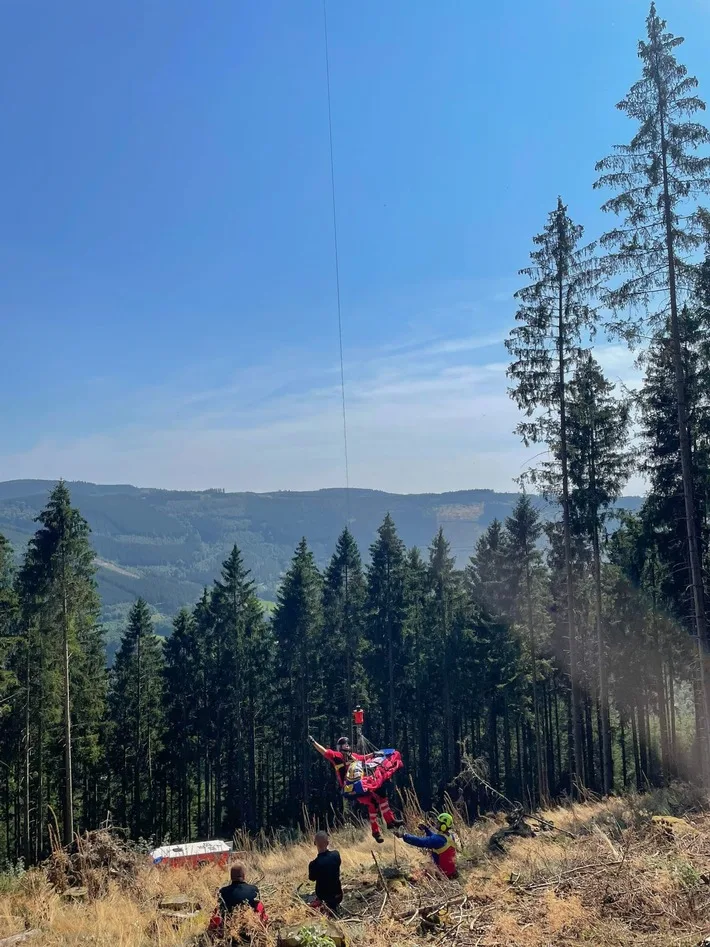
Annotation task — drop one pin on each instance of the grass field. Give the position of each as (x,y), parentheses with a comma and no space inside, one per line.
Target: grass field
(632,871)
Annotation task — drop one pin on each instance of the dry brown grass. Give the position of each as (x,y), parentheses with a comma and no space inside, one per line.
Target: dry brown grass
(622,880)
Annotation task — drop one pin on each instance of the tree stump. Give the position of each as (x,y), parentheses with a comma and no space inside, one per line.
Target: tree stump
(75,894)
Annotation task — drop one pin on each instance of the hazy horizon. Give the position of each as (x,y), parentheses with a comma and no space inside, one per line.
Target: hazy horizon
(354,487)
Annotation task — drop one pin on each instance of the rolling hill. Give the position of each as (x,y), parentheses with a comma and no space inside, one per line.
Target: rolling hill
(166,545)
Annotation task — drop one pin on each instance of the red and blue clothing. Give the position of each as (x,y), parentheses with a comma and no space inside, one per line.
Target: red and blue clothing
(374,801)
(340,763)
(441,845)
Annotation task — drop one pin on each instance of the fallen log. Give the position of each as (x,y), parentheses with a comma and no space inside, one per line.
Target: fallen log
(19,938)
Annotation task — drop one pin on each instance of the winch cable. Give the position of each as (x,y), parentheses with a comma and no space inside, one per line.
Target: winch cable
(337,263)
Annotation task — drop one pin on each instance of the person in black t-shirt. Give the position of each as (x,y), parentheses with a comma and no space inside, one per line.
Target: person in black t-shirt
(325,871)
(233,895)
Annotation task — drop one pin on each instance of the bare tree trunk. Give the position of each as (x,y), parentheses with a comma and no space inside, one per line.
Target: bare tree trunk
(558,734)
(661,690)
(588,741)
(348,652)
(577,777)
(449,730)
(68,787)
(27,750)
(305,728)
(493,746)
(549,738)
(601,656)
(137,806)
(643,746)
(507,757)
(635,743)
(671,706)
(390,660)
(696,573)
(541,771)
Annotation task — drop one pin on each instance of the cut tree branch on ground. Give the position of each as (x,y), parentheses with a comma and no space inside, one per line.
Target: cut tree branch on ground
(430,908)
(568,873)
(19,938)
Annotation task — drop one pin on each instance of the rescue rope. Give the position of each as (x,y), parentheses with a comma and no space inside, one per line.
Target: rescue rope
(362,744)
(337,264)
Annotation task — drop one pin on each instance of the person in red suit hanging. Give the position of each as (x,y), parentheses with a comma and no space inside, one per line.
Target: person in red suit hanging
(375,802)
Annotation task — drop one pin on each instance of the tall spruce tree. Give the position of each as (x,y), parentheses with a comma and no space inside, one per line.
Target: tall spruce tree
(238,672)
(10,689)
(342,651)
(297,624)
(486,572)
(63,604)
(650,648)
(445,621)
(385,620)
(207,715)
(664,507)
(421,655)
(136,712)
(8,620)
(658,178)
(525,576)
(493,652)
(600,464)
(181,694)
(8,597)
(554,315)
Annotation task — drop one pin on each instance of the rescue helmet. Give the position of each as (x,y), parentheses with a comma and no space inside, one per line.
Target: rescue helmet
(343,743)
(445,821)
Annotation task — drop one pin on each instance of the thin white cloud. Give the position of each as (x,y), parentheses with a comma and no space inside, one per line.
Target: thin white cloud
(426,420)
(466,344)
(619,364)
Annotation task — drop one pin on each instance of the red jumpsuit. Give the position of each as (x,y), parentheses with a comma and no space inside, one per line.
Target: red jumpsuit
(373,802)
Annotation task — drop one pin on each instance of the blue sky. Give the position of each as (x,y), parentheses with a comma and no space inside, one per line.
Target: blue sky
(168,292)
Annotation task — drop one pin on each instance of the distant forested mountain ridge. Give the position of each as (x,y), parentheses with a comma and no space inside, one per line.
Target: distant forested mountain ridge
(165,545)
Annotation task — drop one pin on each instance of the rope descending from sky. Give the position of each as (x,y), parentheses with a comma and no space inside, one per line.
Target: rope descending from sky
(337,263)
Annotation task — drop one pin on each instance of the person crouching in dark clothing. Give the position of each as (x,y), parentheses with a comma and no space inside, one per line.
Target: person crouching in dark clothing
(325,871)
(233,896)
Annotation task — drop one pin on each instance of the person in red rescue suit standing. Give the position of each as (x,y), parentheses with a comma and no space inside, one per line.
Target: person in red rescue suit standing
(441,844)
(374,802)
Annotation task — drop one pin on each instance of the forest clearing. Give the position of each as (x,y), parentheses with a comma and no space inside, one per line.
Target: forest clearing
(632,870)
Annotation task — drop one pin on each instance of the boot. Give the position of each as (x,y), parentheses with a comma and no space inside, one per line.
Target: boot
(395,824)
(377,837)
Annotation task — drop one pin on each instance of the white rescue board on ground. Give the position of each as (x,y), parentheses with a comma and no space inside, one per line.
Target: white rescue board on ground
(189,850)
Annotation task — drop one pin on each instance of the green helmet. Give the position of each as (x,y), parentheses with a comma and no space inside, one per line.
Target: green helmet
(445,820)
